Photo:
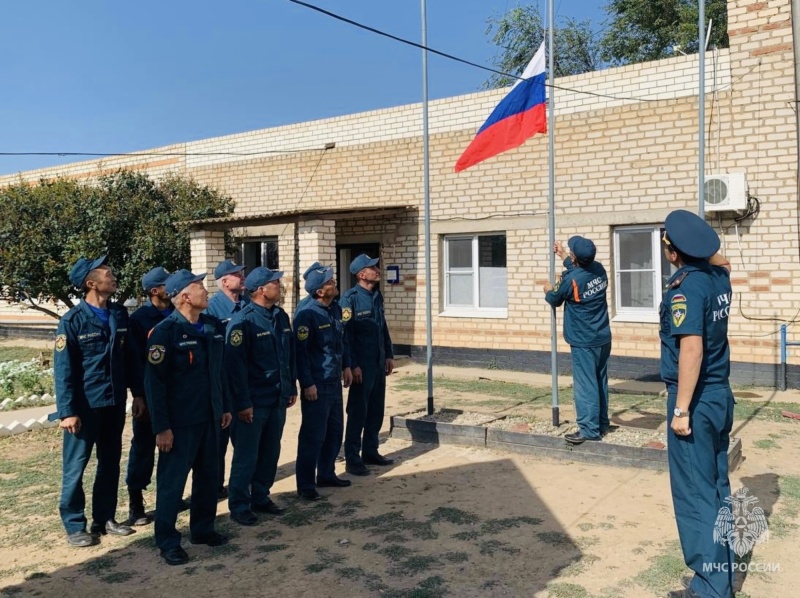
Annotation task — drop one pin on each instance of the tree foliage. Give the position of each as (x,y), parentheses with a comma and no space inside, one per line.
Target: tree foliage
(635,31)
(139,222)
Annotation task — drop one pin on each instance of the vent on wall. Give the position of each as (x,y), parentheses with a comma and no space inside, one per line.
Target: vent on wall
(725,192)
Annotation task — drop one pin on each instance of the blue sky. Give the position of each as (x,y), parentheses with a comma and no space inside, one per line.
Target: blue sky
(100,76)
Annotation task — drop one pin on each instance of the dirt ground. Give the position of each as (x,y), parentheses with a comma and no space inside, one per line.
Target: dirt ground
(440,521)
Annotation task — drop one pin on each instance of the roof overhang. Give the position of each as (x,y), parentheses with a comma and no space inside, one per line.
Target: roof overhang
(293,216)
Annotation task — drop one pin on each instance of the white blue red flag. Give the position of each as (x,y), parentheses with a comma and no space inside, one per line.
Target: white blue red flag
(520,115)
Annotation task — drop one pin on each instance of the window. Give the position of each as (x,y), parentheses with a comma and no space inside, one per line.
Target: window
(475,276)
(258,252)
(640,273)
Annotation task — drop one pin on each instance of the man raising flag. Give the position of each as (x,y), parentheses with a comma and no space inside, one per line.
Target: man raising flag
(520,115)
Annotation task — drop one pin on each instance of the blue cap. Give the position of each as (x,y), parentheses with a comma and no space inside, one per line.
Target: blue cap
(691,235)
(583,249)
(155,278)
(261,276)
(227,267)
(82,267)
(318,277)
(313,266)
(361,262)
(177,281)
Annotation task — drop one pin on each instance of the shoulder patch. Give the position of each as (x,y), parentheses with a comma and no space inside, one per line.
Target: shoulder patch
(236,338)
(302,333)
(156,354)
(61,342)
(678,298)
(347,313)
(678,313)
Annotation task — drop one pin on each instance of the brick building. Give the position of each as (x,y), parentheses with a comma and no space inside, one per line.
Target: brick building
(329,189)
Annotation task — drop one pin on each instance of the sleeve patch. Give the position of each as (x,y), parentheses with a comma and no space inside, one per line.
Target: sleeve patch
(347,313)
(236,338)
(156,354)
(678,313)
(302,333)
(61,342)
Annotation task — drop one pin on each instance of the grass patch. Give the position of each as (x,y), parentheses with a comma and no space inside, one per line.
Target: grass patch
(214,567)
(456,557)
(453,515)
(326,560)
(267,548)
(665,572)
(780,528)
(350,508)
(414,565)
(432,587)
(392,522)
(468,536)
(766,444)
(299,517)
(585,527)
(567,590)
(578,566)
(554,538)
(117,577)
(395,552)
(370,546)
(789,488)
(13,353)
(99,565)
(269,534)
(495,526)
(489,547)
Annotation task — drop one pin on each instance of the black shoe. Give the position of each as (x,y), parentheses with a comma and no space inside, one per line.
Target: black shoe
(222,493)
(357,469)
(212,539)
(377,459)
(268,507)
(575,438)
(334,483)
(310,495)
(81,539)
(175,556)
(247,518)
(184,505)
(111,527)
(136,512)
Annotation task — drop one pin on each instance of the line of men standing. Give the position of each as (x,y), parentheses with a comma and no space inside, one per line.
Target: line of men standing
(193,367)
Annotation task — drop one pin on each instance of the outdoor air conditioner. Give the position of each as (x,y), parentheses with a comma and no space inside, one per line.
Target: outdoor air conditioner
(725,192)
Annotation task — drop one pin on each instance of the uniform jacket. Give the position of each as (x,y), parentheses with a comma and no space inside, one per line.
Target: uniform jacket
(142,321)
(697,302)
(260,358)
(583,291)
(183,377)
(322,346)
(365,325)
(93,364)
(221,307)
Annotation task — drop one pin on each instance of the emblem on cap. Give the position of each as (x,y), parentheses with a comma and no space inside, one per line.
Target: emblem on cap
(61,342)
(302,333)
(156,354)
(236,338)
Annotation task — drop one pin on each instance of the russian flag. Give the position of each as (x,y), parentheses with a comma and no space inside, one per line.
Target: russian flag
(521,114)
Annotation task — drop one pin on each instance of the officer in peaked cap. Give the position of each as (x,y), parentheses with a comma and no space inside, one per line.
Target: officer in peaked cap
(143,444)
(372,359)
(323,362)
(694,317)
(92,364)
(183,384)
(262,376)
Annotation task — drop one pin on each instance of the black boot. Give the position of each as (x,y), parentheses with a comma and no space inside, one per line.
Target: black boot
(136,515)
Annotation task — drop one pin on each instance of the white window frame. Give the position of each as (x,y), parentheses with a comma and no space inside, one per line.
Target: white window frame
(460,311)
(639,314)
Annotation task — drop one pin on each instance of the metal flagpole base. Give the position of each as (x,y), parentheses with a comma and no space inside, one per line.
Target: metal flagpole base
(555,417)
(430,405)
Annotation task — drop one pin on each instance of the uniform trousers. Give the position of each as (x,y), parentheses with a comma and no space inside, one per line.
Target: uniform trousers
(698,475)
(101,428)
(590,385)
(365,408)
(256,450)
(195,449)
(320,436)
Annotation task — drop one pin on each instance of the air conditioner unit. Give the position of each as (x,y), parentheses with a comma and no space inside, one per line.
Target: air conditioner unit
(725,192)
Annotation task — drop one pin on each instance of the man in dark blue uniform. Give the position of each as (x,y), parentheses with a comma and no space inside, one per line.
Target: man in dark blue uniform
(229,299)
(262,377)
(695,366)
(92,364)
(183,383)
(372,359)
(323,361)
(588,332)
(143,443)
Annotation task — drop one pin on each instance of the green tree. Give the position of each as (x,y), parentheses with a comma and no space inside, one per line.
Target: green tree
(520,32)
(139,222)
(642,30)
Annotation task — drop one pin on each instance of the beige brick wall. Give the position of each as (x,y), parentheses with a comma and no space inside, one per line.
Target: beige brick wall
(626,159)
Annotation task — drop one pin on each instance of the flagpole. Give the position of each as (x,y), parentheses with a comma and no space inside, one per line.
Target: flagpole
(551,128)
(701,182)
(427,194)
